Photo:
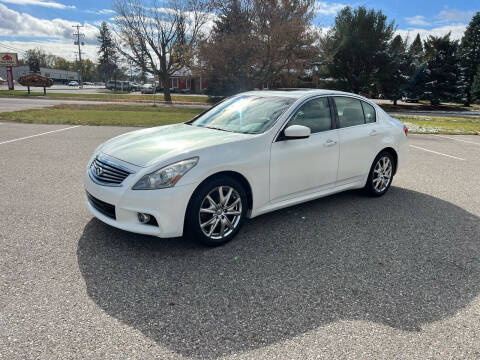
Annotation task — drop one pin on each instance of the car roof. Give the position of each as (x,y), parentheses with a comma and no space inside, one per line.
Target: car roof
(297,94)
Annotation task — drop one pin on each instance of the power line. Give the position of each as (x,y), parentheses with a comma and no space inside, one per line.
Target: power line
(9,47)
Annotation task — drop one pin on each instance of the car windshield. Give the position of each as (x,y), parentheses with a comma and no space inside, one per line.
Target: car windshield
(250,114)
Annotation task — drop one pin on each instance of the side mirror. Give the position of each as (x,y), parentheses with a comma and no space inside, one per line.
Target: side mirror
(296,132)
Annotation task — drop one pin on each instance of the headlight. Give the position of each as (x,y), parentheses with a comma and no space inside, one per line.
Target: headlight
(166,176)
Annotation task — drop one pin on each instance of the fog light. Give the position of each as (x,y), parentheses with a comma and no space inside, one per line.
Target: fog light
(143,218)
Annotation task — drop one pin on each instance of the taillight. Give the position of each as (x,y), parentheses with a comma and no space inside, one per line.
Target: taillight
(405,130)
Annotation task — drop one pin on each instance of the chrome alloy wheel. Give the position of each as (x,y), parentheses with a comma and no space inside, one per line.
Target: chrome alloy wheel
(220,212)
(382,174)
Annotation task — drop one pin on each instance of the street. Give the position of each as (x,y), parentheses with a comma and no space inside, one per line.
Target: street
(345,276)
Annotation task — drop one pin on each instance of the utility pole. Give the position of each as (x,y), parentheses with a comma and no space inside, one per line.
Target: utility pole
(76,66)
(78,34)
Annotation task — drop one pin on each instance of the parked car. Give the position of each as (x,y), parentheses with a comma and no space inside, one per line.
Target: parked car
(73,83)
(410,99)
(148,89)
(135,86)
(250,154)
(87,83)
(118,85)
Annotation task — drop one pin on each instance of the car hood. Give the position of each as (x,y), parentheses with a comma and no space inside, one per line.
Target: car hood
(146,147)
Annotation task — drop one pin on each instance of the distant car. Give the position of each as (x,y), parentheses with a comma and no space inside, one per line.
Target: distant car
(87,83)
(73,83)
(135,86)
(148,89)
(248,155)
(410,99)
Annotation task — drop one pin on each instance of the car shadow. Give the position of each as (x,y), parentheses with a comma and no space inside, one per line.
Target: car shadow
(403,260)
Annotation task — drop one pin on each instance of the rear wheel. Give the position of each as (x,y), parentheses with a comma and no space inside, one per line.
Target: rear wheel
(381,174)
(216,211)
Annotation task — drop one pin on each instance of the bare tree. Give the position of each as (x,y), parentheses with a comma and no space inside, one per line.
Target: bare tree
(285,39)
(160,39)
(259,42)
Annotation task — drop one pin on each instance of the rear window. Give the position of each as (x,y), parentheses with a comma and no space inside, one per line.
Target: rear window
(369,112)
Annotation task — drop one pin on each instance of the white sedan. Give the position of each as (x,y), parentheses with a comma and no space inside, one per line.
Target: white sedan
(250,154)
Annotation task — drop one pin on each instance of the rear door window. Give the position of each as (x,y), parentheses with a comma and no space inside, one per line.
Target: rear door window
(349,112)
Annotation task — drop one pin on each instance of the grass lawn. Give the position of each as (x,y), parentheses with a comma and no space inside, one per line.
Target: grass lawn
(119,115)
(105,97)
(146,115)
(440,125)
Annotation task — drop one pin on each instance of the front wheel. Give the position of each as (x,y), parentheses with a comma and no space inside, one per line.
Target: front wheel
(381,174)
(216,211)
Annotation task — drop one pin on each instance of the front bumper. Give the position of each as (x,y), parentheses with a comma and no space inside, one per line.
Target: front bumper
(168,206)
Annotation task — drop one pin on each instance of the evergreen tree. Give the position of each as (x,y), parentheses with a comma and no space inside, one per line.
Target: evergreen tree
(107,62)
(475,89)
(442,70)
(394,81)
(470,57)
(416,85)
(356,48)
(416,49)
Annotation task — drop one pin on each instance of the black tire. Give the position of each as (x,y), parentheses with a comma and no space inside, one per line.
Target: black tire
(192,228)
(370,186)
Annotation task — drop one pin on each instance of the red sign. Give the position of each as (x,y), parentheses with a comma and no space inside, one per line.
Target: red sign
(8,59)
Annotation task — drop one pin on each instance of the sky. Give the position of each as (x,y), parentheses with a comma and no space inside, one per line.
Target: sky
(47,24)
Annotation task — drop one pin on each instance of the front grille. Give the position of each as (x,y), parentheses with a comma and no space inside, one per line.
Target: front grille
(107,173)
(103,207)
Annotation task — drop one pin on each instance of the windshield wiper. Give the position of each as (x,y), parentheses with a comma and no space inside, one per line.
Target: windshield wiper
(216,128)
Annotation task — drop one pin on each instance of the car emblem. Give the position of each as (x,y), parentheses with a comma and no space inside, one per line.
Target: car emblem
(98,171)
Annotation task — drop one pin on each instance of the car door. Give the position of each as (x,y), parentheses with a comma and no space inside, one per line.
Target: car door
(358,133)
(302,166)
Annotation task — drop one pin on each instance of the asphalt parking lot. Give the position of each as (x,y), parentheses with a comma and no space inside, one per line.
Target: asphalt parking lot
(346,276)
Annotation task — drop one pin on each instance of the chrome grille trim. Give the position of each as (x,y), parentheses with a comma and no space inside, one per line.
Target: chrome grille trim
(106,173)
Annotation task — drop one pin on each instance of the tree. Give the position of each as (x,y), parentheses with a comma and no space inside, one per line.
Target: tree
(416,49)
(63,64)
(415,88)
(228,53)
(394,81)
(107,62)
(39,57)
(442,71)
(475,89)
(470,56)
(89,70)
(355,49)
(166,34)
(257,42)
(284,40)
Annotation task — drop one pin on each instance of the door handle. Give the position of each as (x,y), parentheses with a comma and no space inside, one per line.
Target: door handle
(329,142)
(373,133)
